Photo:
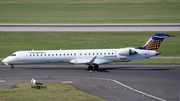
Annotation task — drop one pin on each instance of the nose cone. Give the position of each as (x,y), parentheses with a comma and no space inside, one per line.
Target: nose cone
(5,61)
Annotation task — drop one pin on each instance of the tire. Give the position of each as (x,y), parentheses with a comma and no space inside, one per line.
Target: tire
(96,67)
(90,67)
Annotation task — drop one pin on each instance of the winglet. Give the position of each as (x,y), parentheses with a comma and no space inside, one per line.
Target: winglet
(154,42)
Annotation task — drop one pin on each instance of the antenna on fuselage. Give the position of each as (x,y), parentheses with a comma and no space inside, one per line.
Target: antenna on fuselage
(32,50)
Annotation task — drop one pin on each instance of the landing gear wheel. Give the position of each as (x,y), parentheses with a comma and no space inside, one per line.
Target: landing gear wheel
(90,67)
(12,66)
(96,67)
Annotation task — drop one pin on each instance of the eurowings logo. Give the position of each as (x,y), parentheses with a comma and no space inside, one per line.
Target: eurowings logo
(154,44)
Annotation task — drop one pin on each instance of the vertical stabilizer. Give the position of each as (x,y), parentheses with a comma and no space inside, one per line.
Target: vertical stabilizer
(154,42)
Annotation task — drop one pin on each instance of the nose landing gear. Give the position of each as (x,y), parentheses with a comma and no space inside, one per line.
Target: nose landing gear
(12,66)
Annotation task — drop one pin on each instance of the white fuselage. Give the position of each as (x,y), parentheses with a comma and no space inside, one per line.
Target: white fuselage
(99,56)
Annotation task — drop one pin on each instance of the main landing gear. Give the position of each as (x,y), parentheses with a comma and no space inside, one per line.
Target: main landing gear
(12,66)
(94,67)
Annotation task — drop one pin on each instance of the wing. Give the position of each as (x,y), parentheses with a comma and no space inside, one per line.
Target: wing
(90,61)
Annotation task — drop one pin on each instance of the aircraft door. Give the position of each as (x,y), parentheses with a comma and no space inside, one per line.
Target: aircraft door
(21,56)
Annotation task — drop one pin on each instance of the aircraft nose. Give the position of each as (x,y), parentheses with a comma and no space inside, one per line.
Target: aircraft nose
(5,61)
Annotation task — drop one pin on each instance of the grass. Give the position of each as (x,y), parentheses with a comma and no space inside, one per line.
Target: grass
(150,2)
(89,11)
(54,92)
(15,41)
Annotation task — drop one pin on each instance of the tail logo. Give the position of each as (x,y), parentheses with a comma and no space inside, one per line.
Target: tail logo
(154,44)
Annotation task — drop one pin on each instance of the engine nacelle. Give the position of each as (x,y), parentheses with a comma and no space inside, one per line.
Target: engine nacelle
(127,52)
(33,81)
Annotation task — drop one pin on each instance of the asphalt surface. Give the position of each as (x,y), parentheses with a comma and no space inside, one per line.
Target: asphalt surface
(89,27)
(111,82)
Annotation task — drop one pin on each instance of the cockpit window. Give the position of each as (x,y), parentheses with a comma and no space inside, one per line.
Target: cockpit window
(13,54)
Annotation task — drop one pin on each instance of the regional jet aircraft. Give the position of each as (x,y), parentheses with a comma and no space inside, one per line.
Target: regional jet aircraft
(91,57)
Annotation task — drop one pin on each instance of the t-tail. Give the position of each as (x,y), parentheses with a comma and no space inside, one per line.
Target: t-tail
(154,42)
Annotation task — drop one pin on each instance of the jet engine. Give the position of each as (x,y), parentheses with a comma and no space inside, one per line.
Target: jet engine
(33,81)
(127,52)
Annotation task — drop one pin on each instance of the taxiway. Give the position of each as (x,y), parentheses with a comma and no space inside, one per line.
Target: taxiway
(111,82)
(89,27)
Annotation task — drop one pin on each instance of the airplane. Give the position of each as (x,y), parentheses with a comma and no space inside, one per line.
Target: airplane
(91,57)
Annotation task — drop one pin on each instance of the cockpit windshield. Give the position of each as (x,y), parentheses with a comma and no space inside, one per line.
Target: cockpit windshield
(13,55)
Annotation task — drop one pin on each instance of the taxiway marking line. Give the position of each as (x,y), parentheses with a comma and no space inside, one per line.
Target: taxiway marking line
(2,81)
(135,90)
